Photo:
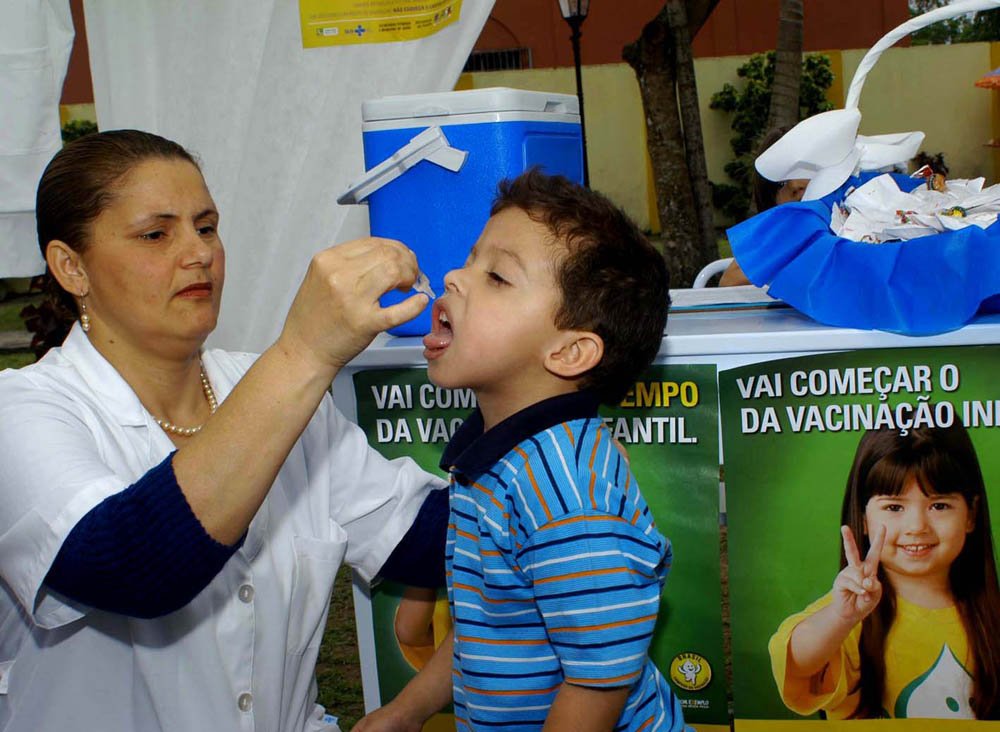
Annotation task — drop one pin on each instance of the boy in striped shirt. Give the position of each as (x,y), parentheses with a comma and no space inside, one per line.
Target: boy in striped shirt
(554,563)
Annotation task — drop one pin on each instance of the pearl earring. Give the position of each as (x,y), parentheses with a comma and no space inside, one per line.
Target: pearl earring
(84,318)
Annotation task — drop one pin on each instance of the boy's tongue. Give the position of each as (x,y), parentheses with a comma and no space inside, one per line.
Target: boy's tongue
(438,338)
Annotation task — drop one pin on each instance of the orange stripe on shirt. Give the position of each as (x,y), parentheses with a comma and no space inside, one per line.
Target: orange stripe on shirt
(574,519)
(593,479)
(593,452)
(470,588)
(526,692)
(492,498)
(635,518)
(645,724)
(569,433)
(467,535)
(603,681)
(604,626)
(502,641)
(531,477)
(592,573)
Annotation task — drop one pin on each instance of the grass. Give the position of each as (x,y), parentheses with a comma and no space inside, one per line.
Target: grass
(10,320)
(338,668)
(10,311)
(16,359)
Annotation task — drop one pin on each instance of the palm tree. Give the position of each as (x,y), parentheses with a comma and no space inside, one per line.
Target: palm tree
(664,67)
(784,110)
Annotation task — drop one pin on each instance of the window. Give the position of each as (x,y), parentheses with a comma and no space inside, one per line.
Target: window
(502,59)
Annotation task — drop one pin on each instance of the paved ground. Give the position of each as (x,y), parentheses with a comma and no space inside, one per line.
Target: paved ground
(14,340)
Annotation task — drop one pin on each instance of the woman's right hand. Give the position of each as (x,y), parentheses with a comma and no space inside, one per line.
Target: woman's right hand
(336,312)
(857,590)
(387,719)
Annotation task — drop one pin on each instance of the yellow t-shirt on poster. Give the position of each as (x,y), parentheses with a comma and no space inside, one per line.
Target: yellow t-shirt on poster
(927,664)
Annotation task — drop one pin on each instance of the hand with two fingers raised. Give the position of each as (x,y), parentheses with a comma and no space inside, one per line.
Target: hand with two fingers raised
(817,640)
(857,590)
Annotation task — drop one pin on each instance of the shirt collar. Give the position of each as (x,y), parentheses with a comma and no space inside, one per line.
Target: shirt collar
(102,378)
(472,452)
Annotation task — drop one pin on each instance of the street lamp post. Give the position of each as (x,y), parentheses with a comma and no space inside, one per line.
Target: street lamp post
(575,12)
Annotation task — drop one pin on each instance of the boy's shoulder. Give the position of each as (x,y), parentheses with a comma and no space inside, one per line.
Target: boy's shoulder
(569,468)
(568,443)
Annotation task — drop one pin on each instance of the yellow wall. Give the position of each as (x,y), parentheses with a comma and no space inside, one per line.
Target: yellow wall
(77,112)
(925,88)
(930,88)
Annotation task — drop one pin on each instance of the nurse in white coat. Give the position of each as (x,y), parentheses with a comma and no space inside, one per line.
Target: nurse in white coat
(172,518)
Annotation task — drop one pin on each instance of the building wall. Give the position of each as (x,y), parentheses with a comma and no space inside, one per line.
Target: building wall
(78,88)
(744,27)
(925,88)
(735,27)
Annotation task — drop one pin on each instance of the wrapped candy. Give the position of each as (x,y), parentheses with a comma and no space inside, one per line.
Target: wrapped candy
(879,211)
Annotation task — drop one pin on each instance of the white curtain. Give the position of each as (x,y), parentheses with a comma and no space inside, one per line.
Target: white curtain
(36,37)
(277,127)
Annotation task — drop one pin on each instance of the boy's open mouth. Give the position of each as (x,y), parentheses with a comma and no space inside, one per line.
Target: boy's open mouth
(441,334)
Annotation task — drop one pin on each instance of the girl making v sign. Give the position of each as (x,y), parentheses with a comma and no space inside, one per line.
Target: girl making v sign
(912,629)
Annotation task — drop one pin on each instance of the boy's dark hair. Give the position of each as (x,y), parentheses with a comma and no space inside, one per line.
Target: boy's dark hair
(614,282)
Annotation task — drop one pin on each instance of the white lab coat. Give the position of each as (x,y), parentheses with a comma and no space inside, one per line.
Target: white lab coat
(241,655)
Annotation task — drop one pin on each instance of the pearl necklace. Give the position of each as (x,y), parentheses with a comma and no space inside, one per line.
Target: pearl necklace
(188,431)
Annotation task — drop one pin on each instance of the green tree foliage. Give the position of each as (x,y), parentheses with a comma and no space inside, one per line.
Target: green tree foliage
(982,26)
(77,128)
(749,107)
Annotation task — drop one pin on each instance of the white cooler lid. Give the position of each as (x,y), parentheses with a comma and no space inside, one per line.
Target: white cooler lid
(472,101)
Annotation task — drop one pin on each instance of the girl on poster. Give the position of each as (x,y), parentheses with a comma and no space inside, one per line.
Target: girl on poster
(917,504)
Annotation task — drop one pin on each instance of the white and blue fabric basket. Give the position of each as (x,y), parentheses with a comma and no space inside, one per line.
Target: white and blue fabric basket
(921,286)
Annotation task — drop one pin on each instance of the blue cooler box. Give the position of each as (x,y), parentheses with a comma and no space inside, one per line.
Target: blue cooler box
(434,161)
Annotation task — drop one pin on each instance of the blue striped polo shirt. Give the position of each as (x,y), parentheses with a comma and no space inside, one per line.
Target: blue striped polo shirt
(554,569)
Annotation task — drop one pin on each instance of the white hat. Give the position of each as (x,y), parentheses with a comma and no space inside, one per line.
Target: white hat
(827,149)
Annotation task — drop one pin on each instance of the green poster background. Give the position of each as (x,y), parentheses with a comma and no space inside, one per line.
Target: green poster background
(784,493)
(672,441)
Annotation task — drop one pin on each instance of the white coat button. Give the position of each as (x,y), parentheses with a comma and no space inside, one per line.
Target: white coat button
(246,593)
(245,702)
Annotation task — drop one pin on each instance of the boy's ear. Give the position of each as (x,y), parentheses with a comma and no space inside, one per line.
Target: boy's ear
(576,352)
(66,266)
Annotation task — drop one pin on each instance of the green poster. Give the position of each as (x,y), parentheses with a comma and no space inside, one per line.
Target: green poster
(791,429)
(403,414)
(669,425)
